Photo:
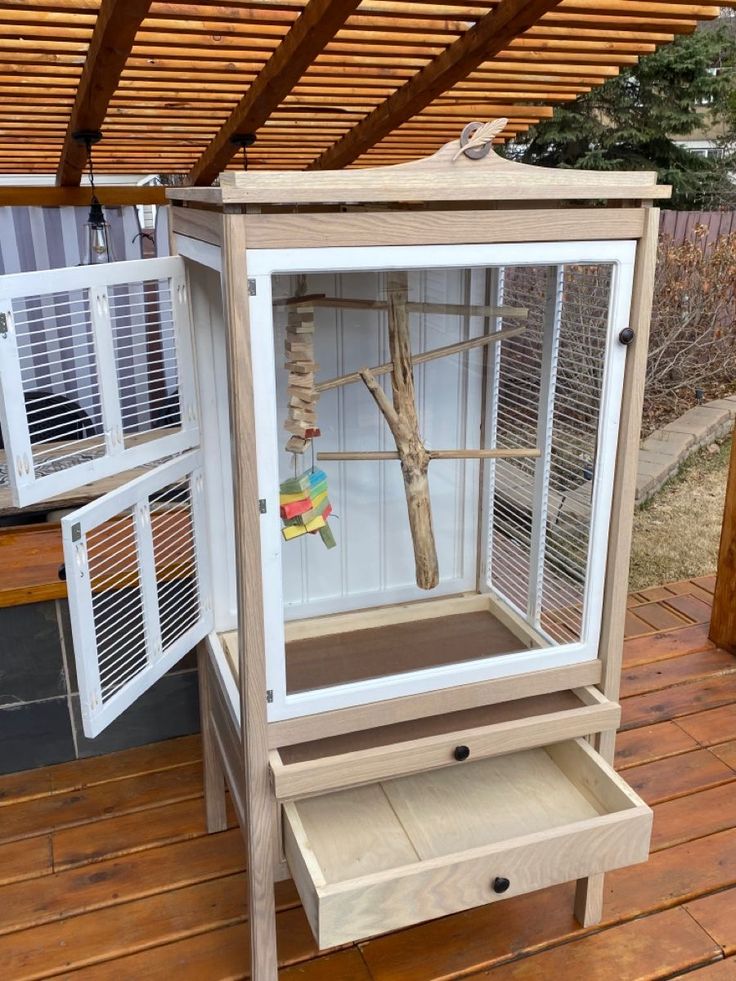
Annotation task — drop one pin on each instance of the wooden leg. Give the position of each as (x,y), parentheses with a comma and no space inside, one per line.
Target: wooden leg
(589,900)
(214,777)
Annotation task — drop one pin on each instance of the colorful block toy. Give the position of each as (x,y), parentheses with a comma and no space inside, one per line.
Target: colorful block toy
(305,507)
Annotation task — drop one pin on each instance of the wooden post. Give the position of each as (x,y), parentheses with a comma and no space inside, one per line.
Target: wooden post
(589,893)
(723,617)
(259,804)
(404,425)
(214,776)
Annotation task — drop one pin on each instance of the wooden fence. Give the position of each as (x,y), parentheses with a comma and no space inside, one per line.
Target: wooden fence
(679,226)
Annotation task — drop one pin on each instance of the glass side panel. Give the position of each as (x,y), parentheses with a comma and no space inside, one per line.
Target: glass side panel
(461,483)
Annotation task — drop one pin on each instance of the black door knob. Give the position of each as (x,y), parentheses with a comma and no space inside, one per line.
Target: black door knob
(627,335)
(500,884)
(461,753)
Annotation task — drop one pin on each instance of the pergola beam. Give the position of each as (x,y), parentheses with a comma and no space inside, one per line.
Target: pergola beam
(487,38)
(112,41)
(312,31)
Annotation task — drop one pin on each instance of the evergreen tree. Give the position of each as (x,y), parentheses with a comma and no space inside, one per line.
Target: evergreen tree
(631,121)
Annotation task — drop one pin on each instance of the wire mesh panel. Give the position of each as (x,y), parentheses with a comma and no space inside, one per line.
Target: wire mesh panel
(548,391)
(139,585)
(96,372)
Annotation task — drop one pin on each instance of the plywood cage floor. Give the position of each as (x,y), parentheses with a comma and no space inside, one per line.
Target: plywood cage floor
(375,652)
(107,872)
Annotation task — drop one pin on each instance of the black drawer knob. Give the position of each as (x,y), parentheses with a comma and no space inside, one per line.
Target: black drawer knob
(461,753)
(500,884)
(627,335)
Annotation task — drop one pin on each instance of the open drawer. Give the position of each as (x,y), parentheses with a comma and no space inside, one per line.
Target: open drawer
(385,855)
(441,740)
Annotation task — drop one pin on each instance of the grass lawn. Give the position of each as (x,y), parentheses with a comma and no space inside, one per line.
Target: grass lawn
(676,533)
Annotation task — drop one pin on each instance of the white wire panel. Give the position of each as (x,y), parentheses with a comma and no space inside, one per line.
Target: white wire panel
(95,378)
(548,392)
(139,586)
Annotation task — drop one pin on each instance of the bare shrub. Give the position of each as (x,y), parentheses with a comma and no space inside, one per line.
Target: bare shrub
(693,331)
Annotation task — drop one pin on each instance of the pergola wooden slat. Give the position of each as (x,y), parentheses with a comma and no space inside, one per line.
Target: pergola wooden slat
(113,37)
(169,83)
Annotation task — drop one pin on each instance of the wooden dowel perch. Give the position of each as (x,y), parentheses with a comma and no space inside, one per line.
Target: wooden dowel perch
(412,306)
(515,454)
(437,352)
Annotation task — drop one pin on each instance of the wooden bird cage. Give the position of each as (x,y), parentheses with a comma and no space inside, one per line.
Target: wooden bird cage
(397,523)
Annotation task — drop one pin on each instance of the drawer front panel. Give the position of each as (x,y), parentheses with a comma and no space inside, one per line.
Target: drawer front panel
(333,772)
(431,889)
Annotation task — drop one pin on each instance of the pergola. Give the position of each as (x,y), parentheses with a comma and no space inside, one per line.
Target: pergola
(322,84)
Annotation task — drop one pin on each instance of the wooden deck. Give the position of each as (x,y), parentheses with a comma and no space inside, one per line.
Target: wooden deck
(108,874)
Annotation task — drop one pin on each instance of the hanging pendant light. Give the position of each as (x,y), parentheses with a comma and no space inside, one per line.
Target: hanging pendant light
(97,228)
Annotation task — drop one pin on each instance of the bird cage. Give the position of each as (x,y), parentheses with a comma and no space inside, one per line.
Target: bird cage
(395,517)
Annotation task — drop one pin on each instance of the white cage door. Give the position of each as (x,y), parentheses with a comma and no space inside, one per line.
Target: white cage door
(96,373)
(137,571)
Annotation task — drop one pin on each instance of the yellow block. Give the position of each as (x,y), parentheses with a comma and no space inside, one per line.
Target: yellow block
(290,498)
(316,523)
(293,531)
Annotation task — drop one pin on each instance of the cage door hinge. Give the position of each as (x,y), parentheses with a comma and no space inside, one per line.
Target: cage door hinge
(269,695)
(262,505)
(251,287)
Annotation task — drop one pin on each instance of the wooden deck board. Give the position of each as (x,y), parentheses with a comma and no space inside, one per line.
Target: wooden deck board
(106,871)
(652,947)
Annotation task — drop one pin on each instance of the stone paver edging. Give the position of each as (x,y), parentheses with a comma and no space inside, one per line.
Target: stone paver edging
(663,452)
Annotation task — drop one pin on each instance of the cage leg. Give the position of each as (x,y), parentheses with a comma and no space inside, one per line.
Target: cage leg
(589,900)
(214,775)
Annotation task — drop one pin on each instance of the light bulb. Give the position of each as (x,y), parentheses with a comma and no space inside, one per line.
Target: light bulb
(98,242)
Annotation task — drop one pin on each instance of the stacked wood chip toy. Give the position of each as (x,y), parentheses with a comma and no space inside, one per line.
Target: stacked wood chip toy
(301,420)
(305,506)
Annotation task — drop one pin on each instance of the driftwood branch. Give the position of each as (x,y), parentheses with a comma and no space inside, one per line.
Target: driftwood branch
(401,416)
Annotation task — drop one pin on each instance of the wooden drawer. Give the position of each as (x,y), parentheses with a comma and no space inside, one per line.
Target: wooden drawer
(380,857)
(446,740)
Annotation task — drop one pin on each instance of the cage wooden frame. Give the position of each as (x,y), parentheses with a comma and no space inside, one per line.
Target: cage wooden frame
(217,228)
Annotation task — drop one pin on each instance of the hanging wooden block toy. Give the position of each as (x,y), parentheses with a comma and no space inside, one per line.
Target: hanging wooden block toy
(305,506)
(301,419)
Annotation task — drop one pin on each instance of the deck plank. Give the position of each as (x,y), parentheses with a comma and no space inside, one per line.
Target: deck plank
(666,644)
(716,915)
(129,833)
(726,752)
(128,763)
(115,881)
(649,948)
(690,606)
(711,727)
(26,859)
(214,953)
(659,616)
(39,816)
(679,775)
(634,626)
(652,677)
(649,743)
(160,929)
(679,701)
(724,970)
(694,816)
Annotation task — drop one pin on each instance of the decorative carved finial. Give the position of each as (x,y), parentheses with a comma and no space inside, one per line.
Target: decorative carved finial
(476,139)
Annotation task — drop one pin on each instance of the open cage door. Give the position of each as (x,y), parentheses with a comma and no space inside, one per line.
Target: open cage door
(96,373)
(137,569)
